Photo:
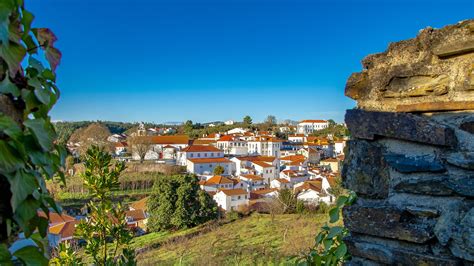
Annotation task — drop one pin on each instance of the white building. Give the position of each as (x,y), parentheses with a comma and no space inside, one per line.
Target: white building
(216,183)
(264,145)
(198,151)
(232,145)
(229,122)
(280,183)
(254,182)
(232,199)
(312,192)
(246,165)
(157,143)
(237,130)
(339,146)
(206,166)
(309,126)
(296,138)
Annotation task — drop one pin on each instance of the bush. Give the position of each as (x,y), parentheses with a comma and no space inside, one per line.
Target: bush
(177,202)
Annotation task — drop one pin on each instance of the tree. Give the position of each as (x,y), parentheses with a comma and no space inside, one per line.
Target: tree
(188,126)
(247,121)
(140,145)
(271,120)
(178,202)
(288,200)
(28,153)
(105,225)
(94,134)
(219,170)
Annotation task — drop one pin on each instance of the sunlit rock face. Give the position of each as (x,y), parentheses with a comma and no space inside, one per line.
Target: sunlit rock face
(411,156)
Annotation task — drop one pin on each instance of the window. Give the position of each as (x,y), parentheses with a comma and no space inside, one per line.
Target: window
(205,154)
(199,155)
(238,197)
(210,165)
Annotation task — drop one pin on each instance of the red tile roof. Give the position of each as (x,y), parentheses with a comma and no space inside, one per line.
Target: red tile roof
(174,139)
(140,204)
(253,177)
(136,215)
(234,192)
(201,148)
(216,180)
(226,138)
(210,160)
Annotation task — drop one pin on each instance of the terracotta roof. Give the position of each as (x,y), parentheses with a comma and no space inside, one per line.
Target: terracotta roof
(140,204)
(136,215)
(313,121)
(203,141)
(217,179)
(309,186)
(282,180)
(65,229)
(55,218)
(264,191)
(174,139)
(234,192)
(226,138)
(252,177)
(210,160)
(200,148)
(268,159)
(120,144)
(262,164)
(296,136)
(297,157)
(169,147)
(266,139)
(330,160)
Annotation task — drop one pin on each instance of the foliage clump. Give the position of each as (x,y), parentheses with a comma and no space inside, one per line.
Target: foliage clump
(177,202)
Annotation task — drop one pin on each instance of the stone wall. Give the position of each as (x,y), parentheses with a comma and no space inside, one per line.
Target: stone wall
(411,156)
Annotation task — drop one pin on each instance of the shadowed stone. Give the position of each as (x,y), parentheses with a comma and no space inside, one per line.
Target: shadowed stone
(463,238)
(388,221)
(444,185)
(386,252)
(404,164)
(356,85)
(468,126)
(462,159)
(367,125)
(454,49)
(364,170)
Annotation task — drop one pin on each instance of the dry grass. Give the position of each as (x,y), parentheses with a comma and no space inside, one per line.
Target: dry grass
(253,240)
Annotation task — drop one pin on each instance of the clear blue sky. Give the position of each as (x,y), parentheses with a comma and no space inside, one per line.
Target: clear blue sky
(216,60)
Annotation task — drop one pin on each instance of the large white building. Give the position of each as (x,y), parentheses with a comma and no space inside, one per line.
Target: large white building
(264,145)
(309,126)
(232,145)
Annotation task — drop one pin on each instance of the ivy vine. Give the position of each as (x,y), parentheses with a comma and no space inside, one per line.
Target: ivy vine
(28,153)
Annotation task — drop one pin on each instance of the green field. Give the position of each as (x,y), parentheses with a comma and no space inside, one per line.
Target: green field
(257,239)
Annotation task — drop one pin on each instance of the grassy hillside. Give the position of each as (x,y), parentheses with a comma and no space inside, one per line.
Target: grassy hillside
(253,240)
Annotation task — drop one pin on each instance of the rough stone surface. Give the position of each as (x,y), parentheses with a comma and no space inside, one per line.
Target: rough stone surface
(398,125)
(463,238)
(438,185)
(390,222)
(365,170)
(386,252)
(462,159)
(404,164)
(468,126)
(436,66)
(411,157)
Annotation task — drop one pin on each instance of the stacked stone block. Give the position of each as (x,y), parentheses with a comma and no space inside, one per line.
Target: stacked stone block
(411,154)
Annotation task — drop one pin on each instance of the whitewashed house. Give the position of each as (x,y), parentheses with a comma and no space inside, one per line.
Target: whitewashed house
(254,182)
(232,199)
(339,146)
(264,145)
(198,151)
(281,183)
(206,166)
(309,126)
(237,130)
(312,192)
(232,145)
(216,183)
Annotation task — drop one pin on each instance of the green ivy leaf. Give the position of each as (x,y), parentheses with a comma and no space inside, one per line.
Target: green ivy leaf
(43,95)
(26,211)
(48,74)
(10,160)
(334,215)
(341,251)
(31,46)
(13,53)
(30,255)
(341,201)
(6,8)
(43,134)
(26,20)
(9,127)
(327,244)
(21,185)
(35,63)
(6,86)
(44,36)
(5,256)
(336,230)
